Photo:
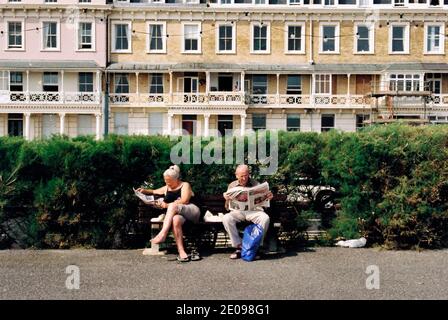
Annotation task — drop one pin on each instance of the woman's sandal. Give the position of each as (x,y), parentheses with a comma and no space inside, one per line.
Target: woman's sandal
(187,259)
(236,254)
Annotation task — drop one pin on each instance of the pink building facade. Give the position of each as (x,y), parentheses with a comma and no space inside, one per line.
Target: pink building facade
(52,56)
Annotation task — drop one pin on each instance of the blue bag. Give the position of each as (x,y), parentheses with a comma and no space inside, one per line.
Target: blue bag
(251,241)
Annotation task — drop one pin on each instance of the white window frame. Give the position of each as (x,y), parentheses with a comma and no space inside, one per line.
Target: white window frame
(441,25)
(268,37)
(336,37)
(148,39)
(295,3)
(113,42)
(7,35)
(199,50)
(58,35)
(320,81)
(226,24)
(371,27)
(406,37)
(302,37)
(78,30)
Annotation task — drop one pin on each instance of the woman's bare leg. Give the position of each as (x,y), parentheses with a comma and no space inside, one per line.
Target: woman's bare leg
(178,221)
(170,213)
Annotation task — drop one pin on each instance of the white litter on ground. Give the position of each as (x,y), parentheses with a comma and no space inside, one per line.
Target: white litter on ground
(355,243)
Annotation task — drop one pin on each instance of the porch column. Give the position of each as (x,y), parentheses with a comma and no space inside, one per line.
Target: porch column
(243,124)
(27,85)
(207,82)
(62,86)
(27,125)
(348,90)
(170,124)
(98,85)
(136,83)
(171,90)
(206,125)
(98,126)
(278,89)
(242,86)
(312,90)
(62,123)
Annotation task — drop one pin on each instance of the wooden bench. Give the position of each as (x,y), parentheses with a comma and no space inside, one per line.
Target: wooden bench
(205,234)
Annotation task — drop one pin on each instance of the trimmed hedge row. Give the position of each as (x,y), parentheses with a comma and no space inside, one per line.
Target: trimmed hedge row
(392,183)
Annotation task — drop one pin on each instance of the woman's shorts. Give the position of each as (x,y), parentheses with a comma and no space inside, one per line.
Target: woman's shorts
(189,212)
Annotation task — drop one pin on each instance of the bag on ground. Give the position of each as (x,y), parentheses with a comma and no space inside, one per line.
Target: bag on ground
(251,241)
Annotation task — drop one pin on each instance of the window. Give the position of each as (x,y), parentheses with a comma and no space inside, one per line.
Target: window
(16,81)
(15,35)
(260,38)
(292,122)
(226,38)
(294,85)
(155,123)
(121,83)
(4,80)
(85,1)
(85,126)
(51,1)
(85,36)
(360,121)
(259,84)
(156,37)
(258,121)
(121,122)
(85,82)
(364,38)
(121,37)
(191,39)
(327,122)
(322,84)
(404,82)
(50,35)
(50,82)
(295,38)
(329,38)
(156,83)
(15,125)
(399,39)
(295,1)
(49,125)
(434,38)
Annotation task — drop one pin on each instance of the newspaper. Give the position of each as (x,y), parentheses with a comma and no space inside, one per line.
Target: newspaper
(248,199)
(147,199)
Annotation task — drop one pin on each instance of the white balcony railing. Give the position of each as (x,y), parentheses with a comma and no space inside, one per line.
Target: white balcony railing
(50,98)
(309,100)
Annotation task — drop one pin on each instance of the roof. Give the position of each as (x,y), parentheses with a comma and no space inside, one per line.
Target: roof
(48,64)
(354,68)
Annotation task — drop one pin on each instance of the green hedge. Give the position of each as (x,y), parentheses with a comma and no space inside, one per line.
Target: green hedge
(392,183)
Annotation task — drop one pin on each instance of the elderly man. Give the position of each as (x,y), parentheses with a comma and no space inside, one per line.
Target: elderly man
(234,216)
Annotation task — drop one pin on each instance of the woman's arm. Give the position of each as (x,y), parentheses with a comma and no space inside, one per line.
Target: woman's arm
(158,192)
(185,195)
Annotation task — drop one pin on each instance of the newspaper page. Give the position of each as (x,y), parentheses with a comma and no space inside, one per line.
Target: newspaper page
(147,199)
(248,199)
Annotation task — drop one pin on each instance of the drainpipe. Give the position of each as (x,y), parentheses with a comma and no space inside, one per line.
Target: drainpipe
(106,91)
(311,60)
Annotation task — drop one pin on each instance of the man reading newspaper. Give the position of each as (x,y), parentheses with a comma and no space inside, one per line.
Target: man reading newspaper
(245,198)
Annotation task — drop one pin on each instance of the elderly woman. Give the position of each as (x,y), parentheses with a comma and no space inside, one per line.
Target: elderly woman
(177,195)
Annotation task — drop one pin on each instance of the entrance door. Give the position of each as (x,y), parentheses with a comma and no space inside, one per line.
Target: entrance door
(434,84)
(190,89)
(189,124)
(225,122)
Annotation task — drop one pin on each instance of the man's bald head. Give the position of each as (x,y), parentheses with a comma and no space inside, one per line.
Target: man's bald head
(242,174)
(243,168)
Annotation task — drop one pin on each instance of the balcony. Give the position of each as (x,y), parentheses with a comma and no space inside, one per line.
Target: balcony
(307,101)
(50,98)
(178,98)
